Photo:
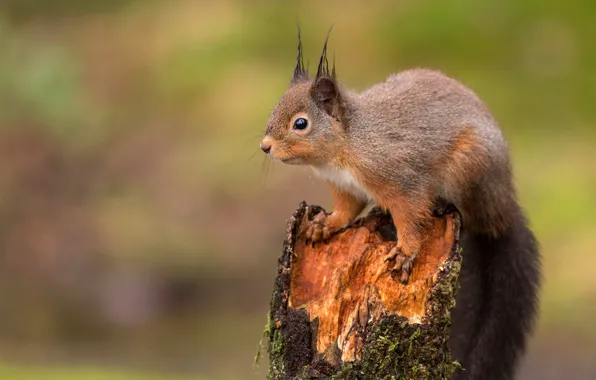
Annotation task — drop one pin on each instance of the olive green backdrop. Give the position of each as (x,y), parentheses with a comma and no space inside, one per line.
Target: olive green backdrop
(139,225)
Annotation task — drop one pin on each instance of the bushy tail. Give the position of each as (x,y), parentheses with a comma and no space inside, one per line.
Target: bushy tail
(497,302)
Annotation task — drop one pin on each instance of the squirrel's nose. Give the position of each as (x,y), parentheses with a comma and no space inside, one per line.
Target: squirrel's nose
(265,147)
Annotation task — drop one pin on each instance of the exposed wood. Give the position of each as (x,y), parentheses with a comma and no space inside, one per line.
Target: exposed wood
(337,310)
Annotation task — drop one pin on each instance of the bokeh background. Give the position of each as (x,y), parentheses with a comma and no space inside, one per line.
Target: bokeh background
(139,225)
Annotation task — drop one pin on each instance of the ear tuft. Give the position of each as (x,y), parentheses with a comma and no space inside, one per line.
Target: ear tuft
(323,68)
(300,72)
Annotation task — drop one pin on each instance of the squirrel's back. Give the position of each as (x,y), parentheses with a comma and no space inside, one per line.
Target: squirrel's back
(434,131)
(428,101)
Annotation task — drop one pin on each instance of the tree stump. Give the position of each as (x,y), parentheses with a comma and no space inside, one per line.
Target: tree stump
(338,311)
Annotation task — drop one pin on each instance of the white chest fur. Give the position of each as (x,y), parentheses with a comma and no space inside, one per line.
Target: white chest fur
(343,180)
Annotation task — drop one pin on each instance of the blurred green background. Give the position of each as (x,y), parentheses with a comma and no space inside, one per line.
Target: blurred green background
(139,227)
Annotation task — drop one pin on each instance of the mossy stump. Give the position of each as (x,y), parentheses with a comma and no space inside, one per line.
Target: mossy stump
(338,311)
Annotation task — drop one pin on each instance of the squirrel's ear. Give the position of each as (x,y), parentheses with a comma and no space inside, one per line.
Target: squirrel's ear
(326,94)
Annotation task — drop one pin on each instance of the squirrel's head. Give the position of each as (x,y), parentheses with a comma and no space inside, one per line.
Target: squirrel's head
(305,126)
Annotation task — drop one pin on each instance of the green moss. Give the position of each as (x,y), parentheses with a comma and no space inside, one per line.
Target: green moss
(276,354)
(399,350)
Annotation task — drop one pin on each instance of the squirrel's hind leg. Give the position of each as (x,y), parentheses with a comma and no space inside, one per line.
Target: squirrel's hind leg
(410,220)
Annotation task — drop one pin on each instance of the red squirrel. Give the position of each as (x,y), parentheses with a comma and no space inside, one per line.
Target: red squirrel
(403,145)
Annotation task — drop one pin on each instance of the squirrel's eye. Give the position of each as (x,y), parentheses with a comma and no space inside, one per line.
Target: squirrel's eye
(300,123)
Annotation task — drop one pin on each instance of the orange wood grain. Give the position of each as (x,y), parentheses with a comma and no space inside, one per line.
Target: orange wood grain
(347,282)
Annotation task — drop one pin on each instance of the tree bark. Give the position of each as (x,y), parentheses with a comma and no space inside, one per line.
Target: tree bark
(338,311)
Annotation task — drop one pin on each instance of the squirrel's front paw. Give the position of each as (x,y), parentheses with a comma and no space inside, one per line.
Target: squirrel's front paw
(320,228)
(401,262)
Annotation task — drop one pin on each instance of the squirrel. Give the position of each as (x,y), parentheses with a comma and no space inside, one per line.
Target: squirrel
(418,138)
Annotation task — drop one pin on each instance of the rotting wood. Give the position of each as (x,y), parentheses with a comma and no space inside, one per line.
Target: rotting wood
(338,312)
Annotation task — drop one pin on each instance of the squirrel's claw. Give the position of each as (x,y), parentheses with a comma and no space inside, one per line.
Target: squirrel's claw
(317,231)
(402,263)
